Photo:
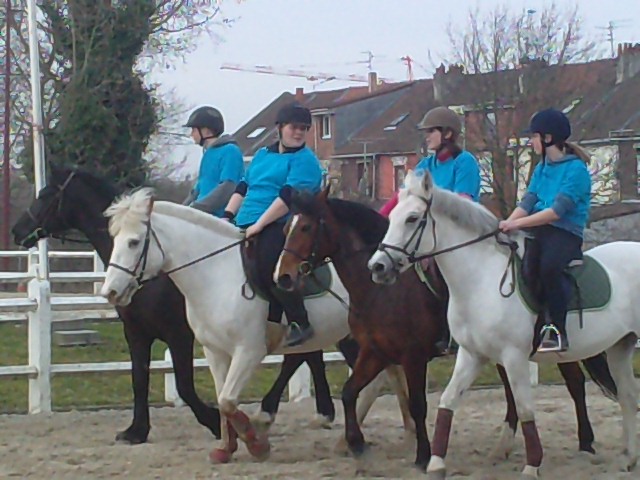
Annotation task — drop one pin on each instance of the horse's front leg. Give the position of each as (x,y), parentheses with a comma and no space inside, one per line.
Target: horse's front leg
(367,367)
(219,363)
(415,369)
(517,366)
(271,401)
(139,343)
(505,442)
(244,361)
(465,372)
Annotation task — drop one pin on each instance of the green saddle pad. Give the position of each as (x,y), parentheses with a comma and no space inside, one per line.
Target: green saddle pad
(593,283)
(315,285)
(318,283)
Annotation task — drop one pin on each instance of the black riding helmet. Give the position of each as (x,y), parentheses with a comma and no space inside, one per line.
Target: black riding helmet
(206,117)
(294,112)
(551,122)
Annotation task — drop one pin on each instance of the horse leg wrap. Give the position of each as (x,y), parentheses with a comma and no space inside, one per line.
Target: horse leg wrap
(223,455)
(258,445)
(442,432)
(532,443)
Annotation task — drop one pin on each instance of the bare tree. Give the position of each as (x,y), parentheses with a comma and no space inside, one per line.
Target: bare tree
(176,25)
(507,65)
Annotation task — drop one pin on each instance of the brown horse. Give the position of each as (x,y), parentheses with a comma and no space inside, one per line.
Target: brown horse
(395,324)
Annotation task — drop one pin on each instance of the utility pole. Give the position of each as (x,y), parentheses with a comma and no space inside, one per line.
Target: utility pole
(6,130)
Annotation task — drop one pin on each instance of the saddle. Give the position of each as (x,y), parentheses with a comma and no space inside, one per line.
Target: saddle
(316,284)
(590,286)
(590,291)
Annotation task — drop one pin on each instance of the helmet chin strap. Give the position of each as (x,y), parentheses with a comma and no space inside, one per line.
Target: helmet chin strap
(203,139)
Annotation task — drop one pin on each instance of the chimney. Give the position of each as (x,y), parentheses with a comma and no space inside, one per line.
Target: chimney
(373,81)
(299,94)
(446,81)
(628,64)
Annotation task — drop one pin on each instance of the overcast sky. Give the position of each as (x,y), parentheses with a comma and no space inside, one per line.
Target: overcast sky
(331,36)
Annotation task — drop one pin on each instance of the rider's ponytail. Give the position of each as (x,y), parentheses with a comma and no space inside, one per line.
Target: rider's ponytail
(575,149)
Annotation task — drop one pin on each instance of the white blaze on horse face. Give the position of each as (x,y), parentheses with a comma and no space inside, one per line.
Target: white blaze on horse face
(119,286)
(294,221)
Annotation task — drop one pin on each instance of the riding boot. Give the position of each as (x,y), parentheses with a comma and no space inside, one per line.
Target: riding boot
(300,330)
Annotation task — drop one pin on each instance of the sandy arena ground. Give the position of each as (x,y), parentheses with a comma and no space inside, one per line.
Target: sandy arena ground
(80,445)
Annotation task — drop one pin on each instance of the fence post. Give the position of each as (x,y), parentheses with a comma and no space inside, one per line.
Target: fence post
(98,266)
(533,373)
(39,331)
(300,384)
(170,390)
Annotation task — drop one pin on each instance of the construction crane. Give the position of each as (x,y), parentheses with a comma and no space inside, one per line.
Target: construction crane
(289,72)
(311,76)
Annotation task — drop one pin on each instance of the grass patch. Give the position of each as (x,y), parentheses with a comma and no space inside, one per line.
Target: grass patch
(114,390)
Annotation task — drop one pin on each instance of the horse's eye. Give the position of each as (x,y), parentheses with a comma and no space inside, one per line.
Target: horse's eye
(412,219)
(134,243)
(306,228)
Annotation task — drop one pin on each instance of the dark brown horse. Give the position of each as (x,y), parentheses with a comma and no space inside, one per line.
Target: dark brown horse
(75,200)
(396,324)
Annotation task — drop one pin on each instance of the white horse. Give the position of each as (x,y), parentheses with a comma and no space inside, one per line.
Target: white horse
(491,327)
(153,236)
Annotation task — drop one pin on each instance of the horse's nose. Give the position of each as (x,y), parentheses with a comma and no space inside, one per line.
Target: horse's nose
(379,267)
(285,282)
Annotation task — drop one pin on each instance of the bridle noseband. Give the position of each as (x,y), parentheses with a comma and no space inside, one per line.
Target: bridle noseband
(312,261)
(40,232)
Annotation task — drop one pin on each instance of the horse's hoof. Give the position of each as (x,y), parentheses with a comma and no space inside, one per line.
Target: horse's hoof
(529,473)
(631,464)
(437,475)
(363,457)
(262,421)
(420,465)
(219,455)
(587,449)
(260,448)
(132,437)
(320,422)
(341,448)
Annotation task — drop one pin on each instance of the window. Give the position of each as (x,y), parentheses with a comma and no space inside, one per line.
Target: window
(325,130)
(398,177)
(396,121)
(257,132)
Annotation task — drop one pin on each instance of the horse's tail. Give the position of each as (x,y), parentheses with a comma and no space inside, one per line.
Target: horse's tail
(598,370)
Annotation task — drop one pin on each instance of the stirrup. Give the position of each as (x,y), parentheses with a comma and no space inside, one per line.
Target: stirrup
(546,333)
(298,335)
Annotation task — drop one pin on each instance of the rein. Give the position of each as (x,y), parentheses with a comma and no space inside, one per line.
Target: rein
(142,260)
(419,232)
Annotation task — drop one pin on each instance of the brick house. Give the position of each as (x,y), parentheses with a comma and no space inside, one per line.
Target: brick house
(367,139)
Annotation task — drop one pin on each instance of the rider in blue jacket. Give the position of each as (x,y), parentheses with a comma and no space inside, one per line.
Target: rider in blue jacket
(555,210)
(221,166)
(261,202)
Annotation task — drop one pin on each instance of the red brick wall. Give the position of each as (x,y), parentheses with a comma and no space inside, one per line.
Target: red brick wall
(385,173)
(324,148)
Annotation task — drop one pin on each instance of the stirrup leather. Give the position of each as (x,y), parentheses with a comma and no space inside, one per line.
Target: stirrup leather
(546,333)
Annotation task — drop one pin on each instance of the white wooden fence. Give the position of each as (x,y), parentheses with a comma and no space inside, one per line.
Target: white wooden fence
(37,308)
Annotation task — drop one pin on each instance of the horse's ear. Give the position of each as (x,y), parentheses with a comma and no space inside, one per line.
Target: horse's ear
(324,194)
(427,181)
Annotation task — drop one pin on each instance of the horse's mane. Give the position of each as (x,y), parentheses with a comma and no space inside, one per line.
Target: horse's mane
(129,210)
(198,217)
(470,215)
(132,208)
(366,222)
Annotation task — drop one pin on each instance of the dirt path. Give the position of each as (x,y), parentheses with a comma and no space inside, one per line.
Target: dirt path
(79,445)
